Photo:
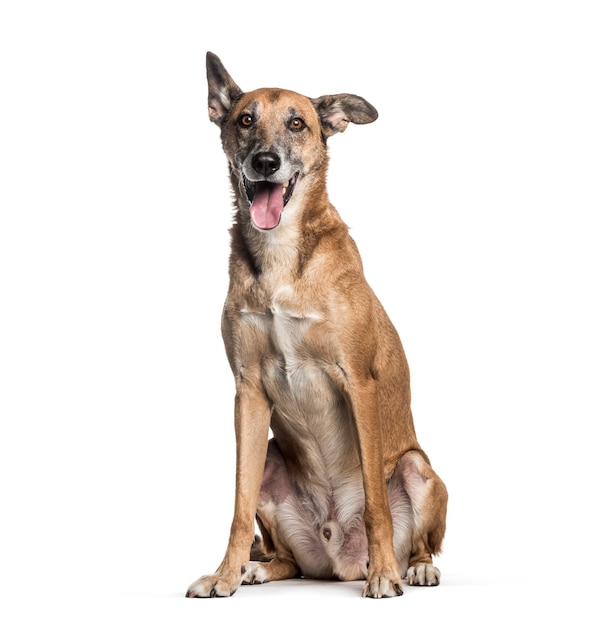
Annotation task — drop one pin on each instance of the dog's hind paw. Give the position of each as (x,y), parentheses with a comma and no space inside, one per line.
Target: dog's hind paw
(254,573)
(425,575)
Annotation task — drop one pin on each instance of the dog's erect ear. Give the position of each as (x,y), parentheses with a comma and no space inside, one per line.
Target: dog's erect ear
(337,111)
(223,91)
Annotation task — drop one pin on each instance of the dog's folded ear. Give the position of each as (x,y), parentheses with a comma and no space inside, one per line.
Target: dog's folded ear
(337,111)
(223,91)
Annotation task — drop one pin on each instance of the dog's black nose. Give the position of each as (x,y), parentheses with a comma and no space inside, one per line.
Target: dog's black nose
(266,163)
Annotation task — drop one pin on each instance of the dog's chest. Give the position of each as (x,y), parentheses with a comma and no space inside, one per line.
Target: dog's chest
(293,366)
(288,325)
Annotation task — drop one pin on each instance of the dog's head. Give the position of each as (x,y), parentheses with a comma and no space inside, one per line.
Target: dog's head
(275,139)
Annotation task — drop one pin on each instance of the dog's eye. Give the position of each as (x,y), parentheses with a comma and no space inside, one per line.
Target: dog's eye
(246,120)
(297,124)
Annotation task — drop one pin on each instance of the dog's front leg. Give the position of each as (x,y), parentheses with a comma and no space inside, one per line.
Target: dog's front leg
(252,421)
(383,577)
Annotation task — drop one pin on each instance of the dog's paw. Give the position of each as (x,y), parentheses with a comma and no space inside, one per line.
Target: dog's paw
(382,585)
(215,586)
(254,573)
(425,575)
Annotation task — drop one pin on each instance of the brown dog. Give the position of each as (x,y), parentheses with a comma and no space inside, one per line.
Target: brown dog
(343,490)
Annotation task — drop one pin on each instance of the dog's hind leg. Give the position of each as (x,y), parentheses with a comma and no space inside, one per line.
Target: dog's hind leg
(428,497)
(265,564)
(256,572)
(269,558)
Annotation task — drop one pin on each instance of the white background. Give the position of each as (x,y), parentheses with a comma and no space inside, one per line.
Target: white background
(478,201)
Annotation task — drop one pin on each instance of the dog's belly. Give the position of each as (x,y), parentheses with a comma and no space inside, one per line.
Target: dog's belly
(322,528)
(327,542)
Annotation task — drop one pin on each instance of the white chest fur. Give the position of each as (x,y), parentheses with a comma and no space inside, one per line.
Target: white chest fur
(286,325)
(289,324)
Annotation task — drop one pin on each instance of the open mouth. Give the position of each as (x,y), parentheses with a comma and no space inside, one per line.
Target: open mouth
(268,200)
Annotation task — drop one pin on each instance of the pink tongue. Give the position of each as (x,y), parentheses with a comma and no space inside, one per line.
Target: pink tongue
(267,205)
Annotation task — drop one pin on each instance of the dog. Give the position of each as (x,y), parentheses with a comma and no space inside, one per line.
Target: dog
(342,490)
